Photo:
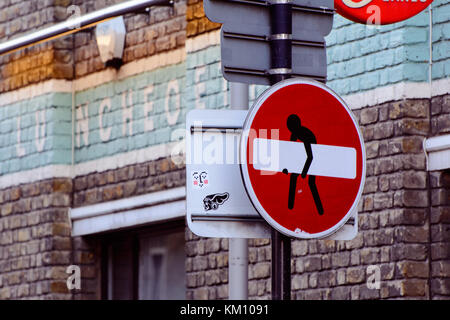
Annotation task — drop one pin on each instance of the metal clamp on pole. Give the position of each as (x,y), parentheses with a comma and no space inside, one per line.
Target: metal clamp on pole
(280,40)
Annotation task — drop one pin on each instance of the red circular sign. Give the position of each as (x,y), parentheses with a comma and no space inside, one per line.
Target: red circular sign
(379,11)
(302,159)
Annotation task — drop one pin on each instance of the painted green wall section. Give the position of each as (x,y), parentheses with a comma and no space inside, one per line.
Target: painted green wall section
(441,39)
(205,86)
(35,133)
(138,112)
(367,57)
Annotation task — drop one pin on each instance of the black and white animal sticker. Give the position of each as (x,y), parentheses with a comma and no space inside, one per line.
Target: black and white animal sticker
(213,201)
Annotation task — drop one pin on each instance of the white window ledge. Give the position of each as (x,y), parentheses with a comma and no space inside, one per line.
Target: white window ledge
(437,150)
(114,215)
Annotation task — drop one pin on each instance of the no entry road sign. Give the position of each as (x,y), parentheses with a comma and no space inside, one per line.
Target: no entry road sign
(302,159)
(379,11)
(217,204)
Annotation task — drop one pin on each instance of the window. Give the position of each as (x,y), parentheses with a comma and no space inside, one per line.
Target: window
(146,265)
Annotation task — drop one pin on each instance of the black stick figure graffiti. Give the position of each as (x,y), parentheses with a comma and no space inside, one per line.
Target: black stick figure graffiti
(298,132)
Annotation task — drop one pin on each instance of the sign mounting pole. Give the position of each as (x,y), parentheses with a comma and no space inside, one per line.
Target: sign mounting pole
(238,247)
(281,68)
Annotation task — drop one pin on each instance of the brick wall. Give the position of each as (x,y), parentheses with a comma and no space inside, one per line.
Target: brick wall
(399,233)
(394,213)
(98,187)
(440,207)
(162,30)
(50,60)
(440,115)
(126,182)
(197,23)
(440,235)
(206,267)
(393,226)
(35,242)
(77,55)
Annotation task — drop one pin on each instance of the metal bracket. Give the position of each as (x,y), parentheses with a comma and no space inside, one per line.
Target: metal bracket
(202,217)
(228,129)
(148,11)
(294,6)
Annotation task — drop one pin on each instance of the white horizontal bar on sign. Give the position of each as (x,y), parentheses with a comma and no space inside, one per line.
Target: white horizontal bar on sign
(328,161)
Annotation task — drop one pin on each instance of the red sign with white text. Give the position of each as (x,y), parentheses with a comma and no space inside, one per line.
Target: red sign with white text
(302,159)
(379,12)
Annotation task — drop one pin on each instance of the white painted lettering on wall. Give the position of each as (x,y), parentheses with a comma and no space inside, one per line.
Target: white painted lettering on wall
(105,133)
(40,134)
(109,117)
(113,117)
(127,115)
(148,107)
(173,90)
(19,148)
(109,113)
(224,87)
(82,127)
(40,127)
(127,112)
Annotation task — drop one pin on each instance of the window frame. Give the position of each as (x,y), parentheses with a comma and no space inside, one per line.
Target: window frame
(135,234)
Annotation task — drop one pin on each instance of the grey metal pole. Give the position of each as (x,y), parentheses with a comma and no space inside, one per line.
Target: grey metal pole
(76,24)
(238,269)
(281,69)
(238,248)
(239,96)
